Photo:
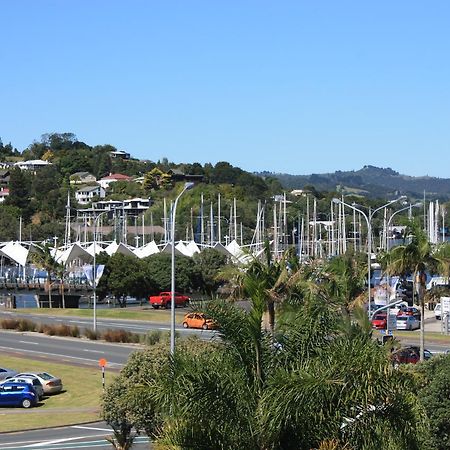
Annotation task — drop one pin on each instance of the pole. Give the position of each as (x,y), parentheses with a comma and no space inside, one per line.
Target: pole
(172,284)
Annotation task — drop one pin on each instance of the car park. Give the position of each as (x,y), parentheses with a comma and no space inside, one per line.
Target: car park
(18,394)
(50,383)
(198,320)
(6,373)
(405,322)
(28,380)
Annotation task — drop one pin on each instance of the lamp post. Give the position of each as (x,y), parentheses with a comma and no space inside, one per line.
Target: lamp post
(368,218)
(94,269)
(187,186)
(416,205)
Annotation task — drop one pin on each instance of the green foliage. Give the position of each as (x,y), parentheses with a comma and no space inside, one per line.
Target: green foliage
(9,222)
(209,262)
(434,394)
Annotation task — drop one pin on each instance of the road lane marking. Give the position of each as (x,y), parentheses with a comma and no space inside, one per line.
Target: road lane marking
(32,343)
(80,427)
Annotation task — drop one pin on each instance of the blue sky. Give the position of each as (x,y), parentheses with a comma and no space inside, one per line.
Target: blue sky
(291,86)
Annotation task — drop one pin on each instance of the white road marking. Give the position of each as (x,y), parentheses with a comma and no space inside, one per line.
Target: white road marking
(80,427)
(32,343)
(93,351)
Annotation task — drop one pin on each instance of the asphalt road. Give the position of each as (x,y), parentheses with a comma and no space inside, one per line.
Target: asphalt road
(135,326)
(70,350)
(83,436)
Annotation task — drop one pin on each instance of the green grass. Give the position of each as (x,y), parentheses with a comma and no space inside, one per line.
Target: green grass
(147,314)
(79,401)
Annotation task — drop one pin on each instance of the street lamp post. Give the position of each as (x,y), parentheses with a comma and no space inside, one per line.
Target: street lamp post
(94,270)
(368,218)
(416,205)
(187,186)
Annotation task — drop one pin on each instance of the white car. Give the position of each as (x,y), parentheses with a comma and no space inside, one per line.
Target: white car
(405,322)
(29,380)
(51,384)
(437,311)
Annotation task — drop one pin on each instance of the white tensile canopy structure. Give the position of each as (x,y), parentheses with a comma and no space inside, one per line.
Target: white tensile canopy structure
(168,249)
(72,253)
(192,248)
(114,247)
(221,248)
(98,248)
(15,252)
(236,252)
(148,249)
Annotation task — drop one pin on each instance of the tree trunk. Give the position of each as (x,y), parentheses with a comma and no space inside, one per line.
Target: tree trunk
(49,284)
(63,298)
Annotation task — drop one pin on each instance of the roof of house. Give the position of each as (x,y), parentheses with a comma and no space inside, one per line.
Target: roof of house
(4,192)
(81,175)
(116,176)
(89,188)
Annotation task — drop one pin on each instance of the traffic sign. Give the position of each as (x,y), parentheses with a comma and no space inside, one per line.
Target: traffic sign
(102,362)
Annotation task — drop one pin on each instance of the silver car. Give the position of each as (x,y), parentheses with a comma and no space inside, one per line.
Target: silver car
(6,373)
(407,323)
(51,384)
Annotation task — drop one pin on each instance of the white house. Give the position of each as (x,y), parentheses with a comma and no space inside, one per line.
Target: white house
(82,178)
(32,164)
(4,192)
(112,178)
(86,194)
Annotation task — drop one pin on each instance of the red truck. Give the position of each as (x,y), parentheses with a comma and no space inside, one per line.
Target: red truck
(163,300)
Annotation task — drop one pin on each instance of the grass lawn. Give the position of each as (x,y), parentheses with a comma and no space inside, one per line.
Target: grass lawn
(147,314)
(79,401)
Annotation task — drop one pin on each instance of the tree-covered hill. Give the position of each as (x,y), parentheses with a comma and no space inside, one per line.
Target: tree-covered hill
(371,181)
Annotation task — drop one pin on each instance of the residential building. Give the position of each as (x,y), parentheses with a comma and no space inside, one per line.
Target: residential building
(120,154)
(86,194)
(82,178)
(32,164)
(4,192)
(4,177)
(112,178)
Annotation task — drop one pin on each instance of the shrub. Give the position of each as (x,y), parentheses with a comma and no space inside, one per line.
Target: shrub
(10,324)
(75,331)
(91,334)
(120,336)
(152,337)
(26,325)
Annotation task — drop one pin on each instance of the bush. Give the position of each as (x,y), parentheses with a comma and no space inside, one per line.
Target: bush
(26,325)
(120,336)
(75,331)
(10,324)
(91,334)
(63,330)
(152,337)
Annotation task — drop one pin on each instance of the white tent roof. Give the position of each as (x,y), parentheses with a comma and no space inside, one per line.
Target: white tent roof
(98,248)
(236,251)
(181,247)
(148,249)
(220,248)
(114,247)
(168,249)
(192,248)
(16,252)
(74,251)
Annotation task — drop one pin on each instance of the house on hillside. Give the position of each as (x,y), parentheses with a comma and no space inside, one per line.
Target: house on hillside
(112,178)
(86,194)
(4,192)
(32,165)
(4,177)
(120,154)
(82,178)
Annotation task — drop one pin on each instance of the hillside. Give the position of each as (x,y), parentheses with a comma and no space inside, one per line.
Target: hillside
(369,181)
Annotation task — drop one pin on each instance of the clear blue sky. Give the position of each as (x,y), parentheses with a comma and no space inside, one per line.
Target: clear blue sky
(286,86)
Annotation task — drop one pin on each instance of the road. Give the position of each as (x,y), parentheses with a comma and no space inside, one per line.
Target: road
(84,436)
(134,326)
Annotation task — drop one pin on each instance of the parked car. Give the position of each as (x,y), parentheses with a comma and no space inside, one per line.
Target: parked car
(29,380)
(5,373)
(409,355)
(164,299)
(437,311)
(410,311)
(18,394)
(50,384)
(405,322)
(379,321)
(198,320)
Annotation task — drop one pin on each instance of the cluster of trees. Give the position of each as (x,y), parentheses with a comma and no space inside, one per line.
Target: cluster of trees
(312,379)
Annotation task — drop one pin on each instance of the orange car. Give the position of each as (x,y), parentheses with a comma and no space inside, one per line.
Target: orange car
(198,320)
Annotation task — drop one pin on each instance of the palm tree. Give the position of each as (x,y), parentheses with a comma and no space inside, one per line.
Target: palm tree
(43,259)
(417,256)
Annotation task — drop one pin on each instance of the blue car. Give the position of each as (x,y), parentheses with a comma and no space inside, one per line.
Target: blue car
(18,394)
